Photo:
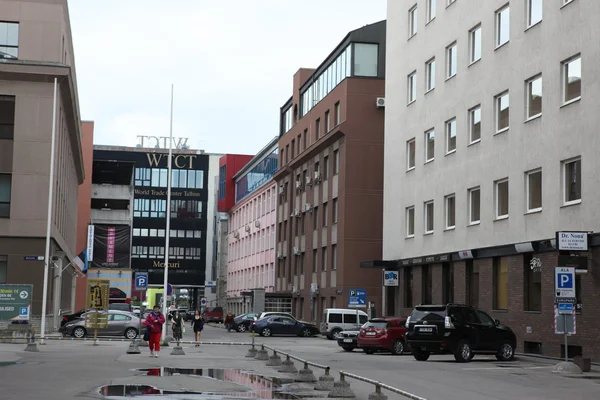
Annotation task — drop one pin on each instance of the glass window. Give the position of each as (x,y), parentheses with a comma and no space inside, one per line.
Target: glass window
(502,112)
(451,136)
(474,205)
(472,283)
(448,283)
(413,20)
(502,25)
(338,116)
(9,40)
(410,221)
(451,62)
(429,145)
(485,319)
(336,162)
(534,97)
(7,115)
(533,284)
(450,211)
(501,198)
(533,181)
(412,87)
(572,181)
(365,59)
(426,285)
(410,154)
(475,44)
(333,257)
(428,216)
(350,319)
(500,278)
(5,194)
(431,9)
(475,124)
(324,259)
(534,11)
(334,211)
(430,78)
(572,79)
(3,268)
(408,287)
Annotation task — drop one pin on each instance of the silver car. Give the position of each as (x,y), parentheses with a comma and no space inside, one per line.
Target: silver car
(120,323)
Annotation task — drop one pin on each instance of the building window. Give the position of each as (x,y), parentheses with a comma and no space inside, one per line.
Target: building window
(315,218)
(412,87)
(333,257)
(451,136)
(450,211)
(288,119)
(430,75)
(474,205)
(324,258)
(325,214)
(408,287)
(338,113)
(451,62)
(7,116)
(305,139)
(572,181)
(534,97)
(3,268)
(182,209)
(325,168)
(500,281)
(334,211)
(428,216)
(533,180)
(429,145)
(475,44)
(472,284)
(534,11)
(410,154)
(336,162)
(448,283)
(317,128)
(413,20)
(426,285)
(501,196)
(9,40)
(475,124)
(315,261)
(366,59)
(502,26)
(327,121)
(431,9)
(533,284)
(142,176)
(222,180)
(571,79)
(502,102)
(410,222)
(5,190)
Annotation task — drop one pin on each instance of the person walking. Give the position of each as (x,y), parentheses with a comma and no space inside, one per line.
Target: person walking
(197,326)
(177,326)
(229,321)
(154,322)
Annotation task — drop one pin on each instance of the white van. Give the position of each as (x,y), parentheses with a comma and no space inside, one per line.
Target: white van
(336,320)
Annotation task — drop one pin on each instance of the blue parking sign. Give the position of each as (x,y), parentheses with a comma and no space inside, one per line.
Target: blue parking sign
(357,298)
(24,311)
(141,280)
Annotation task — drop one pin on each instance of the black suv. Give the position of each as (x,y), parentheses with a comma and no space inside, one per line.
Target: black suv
(458,329)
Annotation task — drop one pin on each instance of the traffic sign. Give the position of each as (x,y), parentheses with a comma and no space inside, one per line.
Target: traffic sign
(141,280)
(97,294)
(210,283)
(203,302)
(357,298)
(565,308)
(15,302)
(564,282)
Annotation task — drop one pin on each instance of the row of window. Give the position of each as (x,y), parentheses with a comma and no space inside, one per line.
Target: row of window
(9,40)
(157,208)
(5,191)
(300,225)
(256,177)
(571,87)
(177,253)
(571,194)
(260,276)
(180,178)
(160,233)
(252,244)
(7,113)
(304,180)
(254,209)
(318,261)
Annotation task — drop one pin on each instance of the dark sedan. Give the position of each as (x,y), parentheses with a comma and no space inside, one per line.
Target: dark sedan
(281,325)
(242,323)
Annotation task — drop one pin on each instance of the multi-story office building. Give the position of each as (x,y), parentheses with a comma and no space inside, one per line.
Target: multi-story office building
(330,180)
(491,150)
(251,235)
(35,48)
(191,196)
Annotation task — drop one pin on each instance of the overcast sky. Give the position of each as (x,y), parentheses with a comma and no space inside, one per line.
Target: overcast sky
(231,61)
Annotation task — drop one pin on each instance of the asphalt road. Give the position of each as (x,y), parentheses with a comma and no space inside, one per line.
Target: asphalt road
(74,369)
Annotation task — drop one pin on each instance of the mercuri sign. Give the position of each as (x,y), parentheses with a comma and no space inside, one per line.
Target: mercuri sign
(15,302)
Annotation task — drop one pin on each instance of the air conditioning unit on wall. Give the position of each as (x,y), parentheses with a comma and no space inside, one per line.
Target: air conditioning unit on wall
(380,102)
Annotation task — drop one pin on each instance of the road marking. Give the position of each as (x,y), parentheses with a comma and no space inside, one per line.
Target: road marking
(499,368)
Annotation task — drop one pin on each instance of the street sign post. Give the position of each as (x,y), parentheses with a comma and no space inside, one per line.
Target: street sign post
(564,282)
(357,298)
(203,302)
(141,281)
(390,278)
(15,302)
(97,305)
(566,296)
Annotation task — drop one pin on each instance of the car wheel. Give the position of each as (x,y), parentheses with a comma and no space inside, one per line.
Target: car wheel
(306,332)
(506,352)
(421,355)
(463,352)
(348,348)
(335,334)
(398,347)
(266,332)
(131,333)
(369,351)
(79,332)
(241,328)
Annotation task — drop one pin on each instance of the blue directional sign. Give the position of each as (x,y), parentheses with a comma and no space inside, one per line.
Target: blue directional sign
(357,298)
(141,280)
(564,282)
(566,308)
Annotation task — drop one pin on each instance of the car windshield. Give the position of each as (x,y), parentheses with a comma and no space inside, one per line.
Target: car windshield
(429,314)
(375,324)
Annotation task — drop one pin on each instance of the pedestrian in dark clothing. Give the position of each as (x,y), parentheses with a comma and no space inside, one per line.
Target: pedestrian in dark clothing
(197,325)
(178,328)
(229,321)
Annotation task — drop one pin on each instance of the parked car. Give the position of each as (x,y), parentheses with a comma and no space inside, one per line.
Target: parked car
(347,340)
(383,334)
(120,323)
(273,313)
(460,330)
(214,314)
(283,325)
(70,317)
(336,320)
(242,323)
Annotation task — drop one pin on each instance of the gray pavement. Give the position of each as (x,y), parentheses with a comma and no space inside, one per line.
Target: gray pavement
(69,369)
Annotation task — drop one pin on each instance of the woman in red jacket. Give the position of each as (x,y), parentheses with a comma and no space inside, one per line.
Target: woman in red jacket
(154,322)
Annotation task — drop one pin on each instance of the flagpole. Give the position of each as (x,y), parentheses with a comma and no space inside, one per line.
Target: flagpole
(49,222)
(168,222)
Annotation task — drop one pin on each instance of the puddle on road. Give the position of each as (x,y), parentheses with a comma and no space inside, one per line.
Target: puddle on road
(256,386)
(9,363)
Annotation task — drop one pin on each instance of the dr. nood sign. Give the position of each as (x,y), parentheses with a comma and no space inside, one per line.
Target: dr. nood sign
(576,241)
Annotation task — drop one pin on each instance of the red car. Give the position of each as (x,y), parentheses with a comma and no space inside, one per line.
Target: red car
(383,334)
(214,314)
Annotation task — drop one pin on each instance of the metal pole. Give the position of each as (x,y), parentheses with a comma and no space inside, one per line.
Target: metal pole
(49,222)
(566,339)
(168,217)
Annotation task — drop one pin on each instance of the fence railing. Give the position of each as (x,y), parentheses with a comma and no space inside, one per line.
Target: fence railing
(301,360)
(379,385)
